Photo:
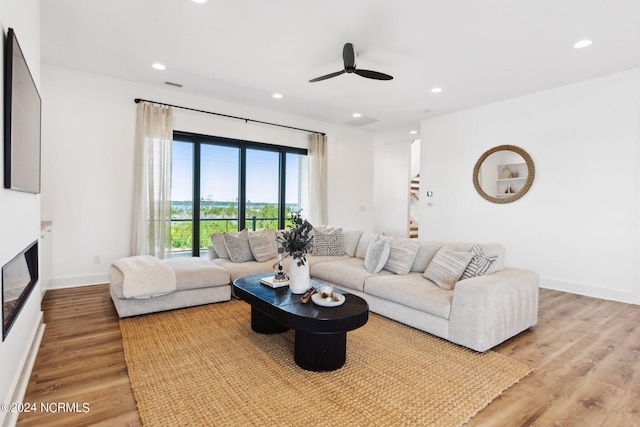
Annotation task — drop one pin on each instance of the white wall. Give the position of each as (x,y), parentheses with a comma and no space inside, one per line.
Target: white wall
(89,128)
(19,213)
(391,188)
(578,225)
(415,158)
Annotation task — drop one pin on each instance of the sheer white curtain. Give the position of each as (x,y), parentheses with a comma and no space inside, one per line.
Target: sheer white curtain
(318,209)
(152,181)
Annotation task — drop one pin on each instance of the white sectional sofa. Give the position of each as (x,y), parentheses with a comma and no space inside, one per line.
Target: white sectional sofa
(478,312)
(414,282)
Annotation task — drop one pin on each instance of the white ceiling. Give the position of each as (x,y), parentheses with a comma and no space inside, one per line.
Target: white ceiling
(242,51)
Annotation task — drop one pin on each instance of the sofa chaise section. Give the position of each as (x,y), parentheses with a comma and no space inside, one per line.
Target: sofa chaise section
(198,281)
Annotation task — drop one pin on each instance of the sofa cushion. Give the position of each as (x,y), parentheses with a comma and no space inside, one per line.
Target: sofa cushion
(426,252)
(237,270)
(447,266)
(194,273)
(212,252)
(351,237)
(480,263)
(217,241)
(411,290)
(263,245)
(377,255)
(328,242)
(346,273)
(316,259)
(237,245)
(402,253)
(363,244)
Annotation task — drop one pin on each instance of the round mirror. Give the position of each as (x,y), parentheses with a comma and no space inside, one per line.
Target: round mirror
(503,174)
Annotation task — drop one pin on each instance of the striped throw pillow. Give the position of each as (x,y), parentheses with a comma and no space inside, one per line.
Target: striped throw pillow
(480,263)
(263,245)
(402,252)
(446,267)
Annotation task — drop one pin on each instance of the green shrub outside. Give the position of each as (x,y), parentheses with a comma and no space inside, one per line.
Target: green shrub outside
(221,219)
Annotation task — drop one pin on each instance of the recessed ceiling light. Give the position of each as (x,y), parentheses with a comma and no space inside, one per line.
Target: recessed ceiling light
(413,132)
(159,66)
(582,43)
(436,90)
(356,115)
(199,1)
(277,95)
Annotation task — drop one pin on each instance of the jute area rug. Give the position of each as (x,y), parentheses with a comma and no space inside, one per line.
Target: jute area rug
(204,366)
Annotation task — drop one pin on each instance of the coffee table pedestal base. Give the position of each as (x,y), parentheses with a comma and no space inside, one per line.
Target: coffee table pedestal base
(264,324)
(320,351)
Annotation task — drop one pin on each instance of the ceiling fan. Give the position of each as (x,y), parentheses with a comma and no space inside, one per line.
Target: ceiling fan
(349,56)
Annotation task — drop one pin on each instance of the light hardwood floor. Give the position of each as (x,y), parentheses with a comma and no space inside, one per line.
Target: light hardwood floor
(585,352)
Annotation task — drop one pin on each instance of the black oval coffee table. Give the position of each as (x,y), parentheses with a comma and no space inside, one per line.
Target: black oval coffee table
(320,332)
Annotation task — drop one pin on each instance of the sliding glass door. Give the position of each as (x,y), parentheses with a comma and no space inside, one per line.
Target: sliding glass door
(222,185)
(182,198)
(262,186)
(219,190)
(296,184)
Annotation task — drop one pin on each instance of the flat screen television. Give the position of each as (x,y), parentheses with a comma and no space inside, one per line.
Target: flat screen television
(22,110)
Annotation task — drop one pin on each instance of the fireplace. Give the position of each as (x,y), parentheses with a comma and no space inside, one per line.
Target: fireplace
(19,277)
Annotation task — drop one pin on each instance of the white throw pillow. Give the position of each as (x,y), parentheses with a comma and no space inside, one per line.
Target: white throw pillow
(377,255)
(446,267)
(217,241)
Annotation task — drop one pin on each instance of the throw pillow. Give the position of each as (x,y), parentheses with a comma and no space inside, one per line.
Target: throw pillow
(377,255)
(446,267)
(328,242)
(263,245)
(402,252)
(480,263)
(237,245)
(217,241)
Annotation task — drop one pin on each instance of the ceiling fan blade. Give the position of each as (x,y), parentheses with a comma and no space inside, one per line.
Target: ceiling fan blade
(373,75)
(328,76)
(349,56)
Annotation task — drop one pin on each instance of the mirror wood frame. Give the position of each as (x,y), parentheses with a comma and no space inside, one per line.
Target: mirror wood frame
(527,185)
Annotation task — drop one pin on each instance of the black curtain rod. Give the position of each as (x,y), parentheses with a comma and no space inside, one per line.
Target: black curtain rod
(137,100)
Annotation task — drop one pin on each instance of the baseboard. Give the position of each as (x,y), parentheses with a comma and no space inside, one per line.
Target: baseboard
(587,290)
(21,381)
(75,281)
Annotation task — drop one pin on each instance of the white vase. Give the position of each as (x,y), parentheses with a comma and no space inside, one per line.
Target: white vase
(299,279)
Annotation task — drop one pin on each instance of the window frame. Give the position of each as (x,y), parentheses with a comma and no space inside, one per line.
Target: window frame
(243,145)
